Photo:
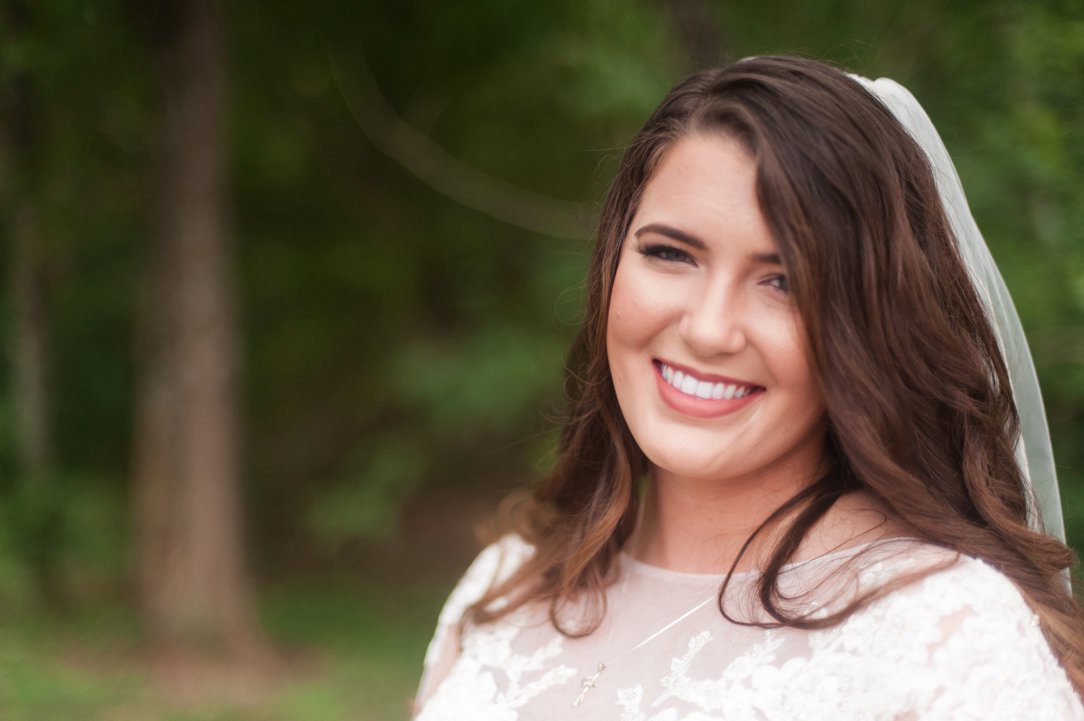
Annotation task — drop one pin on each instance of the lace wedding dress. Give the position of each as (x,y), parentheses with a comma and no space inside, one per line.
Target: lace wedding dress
(959,643)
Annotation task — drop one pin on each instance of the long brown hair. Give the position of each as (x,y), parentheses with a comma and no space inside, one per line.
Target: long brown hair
(919,406)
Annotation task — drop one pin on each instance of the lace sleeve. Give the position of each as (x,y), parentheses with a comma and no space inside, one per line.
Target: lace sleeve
(494,563)
(987,657)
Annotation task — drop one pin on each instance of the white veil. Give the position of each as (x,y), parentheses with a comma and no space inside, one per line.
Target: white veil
(1033,451)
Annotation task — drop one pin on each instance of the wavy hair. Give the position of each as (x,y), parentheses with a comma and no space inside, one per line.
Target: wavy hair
(919,407)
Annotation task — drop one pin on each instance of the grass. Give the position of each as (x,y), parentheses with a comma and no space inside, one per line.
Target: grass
(354,653)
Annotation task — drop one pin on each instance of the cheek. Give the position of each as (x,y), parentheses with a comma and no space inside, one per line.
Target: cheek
(797,368)
(636,313)
(629,330)
(784,344)
(617,320)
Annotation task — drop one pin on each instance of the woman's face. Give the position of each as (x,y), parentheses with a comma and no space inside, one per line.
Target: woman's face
(705,344)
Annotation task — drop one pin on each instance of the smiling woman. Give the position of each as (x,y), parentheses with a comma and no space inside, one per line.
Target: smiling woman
(707,352)
(699,308)
(760,510)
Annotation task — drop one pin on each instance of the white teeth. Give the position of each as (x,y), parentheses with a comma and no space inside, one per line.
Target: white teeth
(702,389)
(688,385)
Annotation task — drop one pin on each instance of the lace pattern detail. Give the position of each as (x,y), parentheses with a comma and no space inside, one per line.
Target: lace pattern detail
(960,644)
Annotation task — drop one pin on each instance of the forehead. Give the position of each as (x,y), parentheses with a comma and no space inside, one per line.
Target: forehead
(705,184)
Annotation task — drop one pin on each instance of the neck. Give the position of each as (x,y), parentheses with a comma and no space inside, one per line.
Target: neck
(700,526)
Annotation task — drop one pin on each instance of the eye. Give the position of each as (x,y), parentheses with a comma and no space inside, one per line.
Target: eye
(667,253)
(778,282)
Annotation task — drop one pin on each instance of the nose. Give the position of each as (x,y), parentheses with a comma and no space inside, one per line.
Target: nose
(714,321)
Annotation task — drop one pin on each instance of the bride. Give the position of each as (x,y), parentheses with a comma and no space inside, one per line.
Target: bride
(792,483)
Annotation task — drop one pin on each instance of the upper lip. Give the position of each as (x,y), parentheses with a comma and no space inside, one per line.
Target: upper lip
(705,377)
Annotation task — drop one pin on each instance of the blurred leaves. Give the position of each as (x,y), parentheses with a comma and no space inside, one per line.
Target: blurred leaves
(78,522)
(396,341)
(491,381)
(365,499)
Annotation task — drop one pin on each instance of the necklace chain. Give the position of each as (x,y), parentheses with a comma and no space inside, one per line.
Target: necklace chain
(590,682)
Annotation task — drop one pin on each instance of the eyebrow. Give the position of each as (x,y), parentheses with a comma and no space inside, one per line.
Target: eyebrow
(682,237)
(679,235)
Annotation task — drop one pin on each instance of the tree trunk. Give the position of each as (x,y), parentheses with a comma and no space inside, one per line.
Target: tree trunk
(192,582)
(28,287)
(37,527)
(30,344)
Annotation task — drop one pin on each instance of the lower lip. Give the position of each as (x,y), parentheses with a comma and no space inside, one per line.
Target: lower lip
(700,407)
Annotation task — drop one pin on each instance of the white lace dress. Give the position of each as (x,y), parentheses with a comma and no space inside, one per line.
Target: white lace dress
(959,644)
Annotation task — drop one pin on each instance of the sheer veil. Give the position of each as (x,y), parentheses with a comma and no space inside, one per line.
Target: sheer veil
(1033,451)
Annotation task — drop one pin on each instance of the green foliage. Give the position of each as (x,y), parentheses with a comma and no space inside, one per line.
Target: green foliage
(396,341)
(32,517)
(487,381)
(72,527)
(51,670)
(364,503)
(373,639)
(352,653)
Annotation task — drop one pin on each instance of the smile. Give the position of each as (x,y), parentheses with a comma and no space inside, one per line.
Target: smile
(691,386)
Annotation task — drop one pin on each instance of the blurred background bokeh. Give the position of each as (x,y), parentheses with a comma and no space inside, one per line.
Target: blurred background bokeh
(288,286)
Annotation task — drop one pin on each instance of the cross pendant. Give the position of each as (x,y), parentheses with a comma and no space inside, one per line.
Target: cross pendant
(588,683)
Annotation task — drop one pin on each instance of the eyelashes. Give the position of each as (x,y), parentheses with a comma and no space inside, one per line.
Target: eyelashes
(672,254)
(665,252)
(779,282)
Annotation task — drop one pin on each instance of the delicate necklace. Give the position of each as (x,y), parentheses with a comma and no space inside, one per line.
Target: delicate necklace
(590,682)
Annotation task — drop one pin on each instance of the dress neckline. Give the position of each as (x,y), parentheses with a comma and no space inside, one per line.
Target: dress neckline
(628,562)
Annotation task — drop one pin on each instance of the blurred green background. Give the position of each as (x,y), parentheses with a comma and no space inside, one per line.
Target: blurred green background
(399,197)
